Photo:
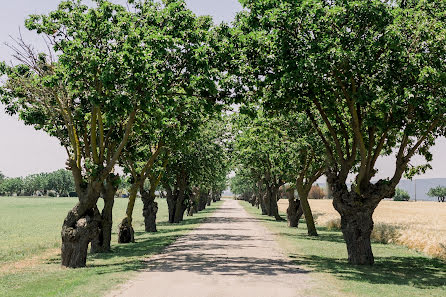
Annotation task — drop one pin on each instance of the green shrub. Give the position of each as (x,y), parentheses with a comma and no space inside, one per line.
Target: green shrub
(401,195)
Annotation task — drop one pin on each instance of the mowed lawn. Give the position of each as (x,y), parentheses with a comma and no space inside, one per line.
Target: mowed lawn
(398,271)
(30,248)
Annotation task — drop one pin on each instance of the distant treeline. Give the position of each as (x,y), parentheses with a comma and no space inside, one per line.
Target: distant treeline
(57,183)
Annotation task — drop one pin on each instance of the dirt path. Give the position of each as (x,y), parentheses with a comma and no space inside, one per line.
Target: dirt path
(227,255)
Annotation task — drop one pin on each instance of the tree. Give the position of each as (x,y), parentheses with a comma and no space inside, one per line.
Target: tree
(259,148)
(36,183)
(11,186)
(61,181)
(2,179)
(439,192)
(401,195)
(81,101)
(243,185)
(197,168)
(189,82)
(316,192)
(369,75)
(285,146)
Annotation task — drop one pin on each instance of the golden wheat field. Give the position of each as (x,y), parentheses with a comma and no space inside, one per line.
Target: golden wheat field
(417,225)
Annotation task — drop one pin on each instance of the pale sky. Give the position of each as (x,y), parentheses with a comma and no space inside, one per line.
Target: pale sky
(25,151)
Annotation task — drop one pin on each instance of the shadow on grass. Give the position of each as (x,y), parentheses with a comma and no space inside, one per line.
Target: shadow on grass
(417,271)
(131,256)
(420,272)
(323,234)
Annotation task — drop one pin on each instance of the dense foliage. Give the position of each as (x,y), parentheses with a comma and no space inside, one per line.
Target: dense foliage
(401,195)
(370,75)
(438,192)
(321,88)
(58,183)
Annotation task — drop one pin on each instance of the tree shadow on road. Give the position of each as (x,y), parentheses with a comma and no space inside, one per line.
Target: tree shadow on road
(212,263)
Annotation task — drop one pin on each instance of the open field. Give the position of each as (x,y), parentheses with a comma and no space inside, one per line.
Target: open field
(398,271)
(30,248)
(417,225)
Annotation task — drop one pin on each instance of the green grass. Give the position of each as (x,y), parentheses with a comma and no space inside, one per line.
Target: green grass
(398,271)
(31,226)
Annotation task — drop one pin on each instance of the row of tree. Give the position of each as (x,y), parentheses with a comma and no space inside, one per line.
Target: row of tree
(57,183)
(133,86)
(329,86)
(324,87)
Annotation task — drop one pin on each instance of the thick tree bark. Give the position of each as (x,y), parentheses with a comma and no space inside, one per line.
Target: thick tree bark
(356,212)
(176,197)
(80,227)
(209,200)
(263,203)
(171,203)
(102,242)
(294,211)
(357,228)
(180,209)
(126,234)
(180,206)
(273,193)
(75,240)
(149,211)
(202,201)
(253,200)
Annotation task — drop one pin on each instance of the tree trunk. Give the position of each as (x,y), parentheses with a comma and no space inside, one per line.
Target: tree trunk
(274,208)
(126,234)
(209,200)
(214,196)
(202,200)
(79,229)
(180,208)
(81,225)
(294,211)
(149,211)
(356,212)
(357,228)
(102,242)
(303,197)
(171,203)
(262,199)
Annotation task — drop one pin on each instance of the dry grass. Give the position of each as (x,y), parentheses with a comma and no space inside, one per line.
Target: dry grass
(418,225)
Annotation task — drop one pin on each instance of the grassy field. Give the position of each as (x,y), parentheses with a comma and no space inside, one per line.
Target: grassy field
(417,225)
(398,271)
(30,243)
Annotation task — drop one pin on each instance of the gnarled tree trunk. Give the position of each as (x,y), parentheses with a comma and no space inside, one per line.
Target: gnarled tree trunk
(202,201)
(294,211)
(80,227)
(180,208)
(150,210)
(357,228)
(356,212)
(126,233)
(101,243)
(263,203)
(273,208)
